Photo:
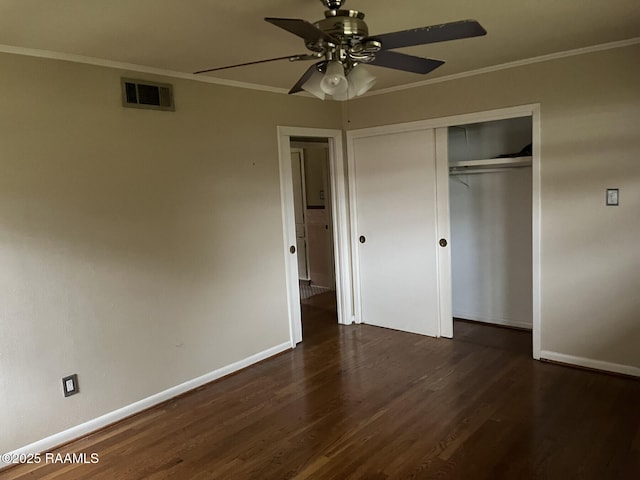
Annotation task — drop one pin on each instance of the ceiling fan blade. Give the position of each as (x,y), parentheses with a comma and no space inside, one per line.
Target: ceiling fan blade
(432,34)
(303,79)
(402,61)
(291,58)
(309,32)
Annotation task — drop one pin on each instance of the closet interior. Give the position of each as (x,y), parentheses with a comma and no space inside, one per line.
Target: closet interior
(490,195)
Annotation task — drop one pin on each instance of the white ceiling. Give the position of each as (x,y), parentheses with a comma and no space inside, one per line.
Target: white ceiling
(186,36)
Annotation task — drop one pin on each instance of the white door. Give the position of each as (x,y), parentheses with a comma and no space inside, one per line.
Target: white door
(394,184)
(300,207)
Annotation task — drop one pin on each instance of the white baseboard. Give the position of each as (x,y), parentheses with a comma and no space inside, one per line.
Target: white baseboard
(497,321)
(86,428)
(590,363)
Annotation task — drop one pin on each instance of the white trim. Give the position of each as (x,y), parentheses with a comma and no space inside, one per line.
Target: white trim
(353,225)
(505,66)
(475,117)
(68,57)
(443,227)
(303,173)
(289,238)
(532,110)
(497,321)
(340,216)
(536,231)
(590,363)
(91,426)
(339,213)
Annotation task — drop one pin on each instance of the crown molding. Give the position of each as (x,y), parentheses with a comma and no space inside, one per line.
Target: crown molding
(32,52)
(67,57)
(505,66)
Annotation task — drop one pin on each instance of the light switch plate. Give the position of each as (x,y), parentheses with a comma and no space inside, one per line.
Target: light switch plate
(613,197)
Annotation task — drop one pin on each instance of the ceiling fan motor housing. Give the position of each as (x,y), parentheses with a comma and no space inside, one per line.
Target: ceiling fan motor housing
(349,29)
(348,26)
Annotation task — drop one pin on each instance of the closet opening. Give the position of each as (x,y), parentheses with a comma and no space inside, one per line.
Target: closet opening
(490,202)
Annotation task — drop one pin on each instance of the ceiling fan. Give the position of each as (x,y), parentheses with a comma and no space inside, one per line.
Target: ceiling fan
(342,43)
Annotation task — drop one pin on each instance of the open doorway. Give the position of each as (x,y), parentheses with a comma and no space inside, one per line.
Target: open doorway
(311,189)
(314,211)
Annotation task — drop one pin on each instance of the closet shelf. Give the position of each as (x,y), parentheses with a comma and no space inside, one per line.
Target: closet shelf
(488,165)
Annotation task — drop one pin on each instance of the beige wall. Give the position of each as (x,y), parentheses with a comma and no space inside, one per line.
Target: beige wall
(142,249)
(590,112)
(315,170)
(139,249)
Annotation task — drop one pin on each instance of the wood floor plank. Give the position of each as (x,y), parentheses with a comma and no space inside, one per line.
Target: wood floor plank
(367,402)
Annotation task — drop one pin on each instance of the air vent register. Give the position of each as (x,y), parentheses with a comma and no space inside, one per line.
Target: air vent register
(144,94)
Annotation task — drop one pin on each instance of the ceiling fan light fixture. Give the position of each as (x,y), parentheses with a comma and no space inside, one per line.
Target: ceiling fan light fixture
(360,81)
(313,85)
(334,81)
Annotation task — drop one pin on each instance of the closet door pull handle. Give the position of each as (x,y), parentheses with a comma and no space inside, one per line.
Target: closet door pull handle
(362,239)
(292,249)
(443,242)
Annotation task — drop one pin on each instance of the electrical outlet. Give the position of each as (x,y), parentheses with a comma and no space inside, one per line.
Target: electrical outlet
(70,385)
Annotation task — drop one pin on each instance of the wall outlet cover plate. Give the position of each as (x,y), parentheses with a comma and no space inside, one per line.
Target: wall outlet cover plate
(70,385)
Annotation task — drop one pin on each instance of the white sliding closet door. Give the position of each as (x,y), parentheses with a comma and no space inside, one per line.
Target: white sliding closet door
(394,182)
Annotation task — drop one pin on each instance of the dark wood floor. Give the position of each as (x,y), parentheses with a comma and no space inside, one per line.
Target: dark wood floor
(366,402)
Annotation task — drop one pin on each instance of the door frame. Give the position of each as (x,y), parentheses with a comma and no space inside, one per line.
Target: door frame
(304,208)
(442,189)
(339,209)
